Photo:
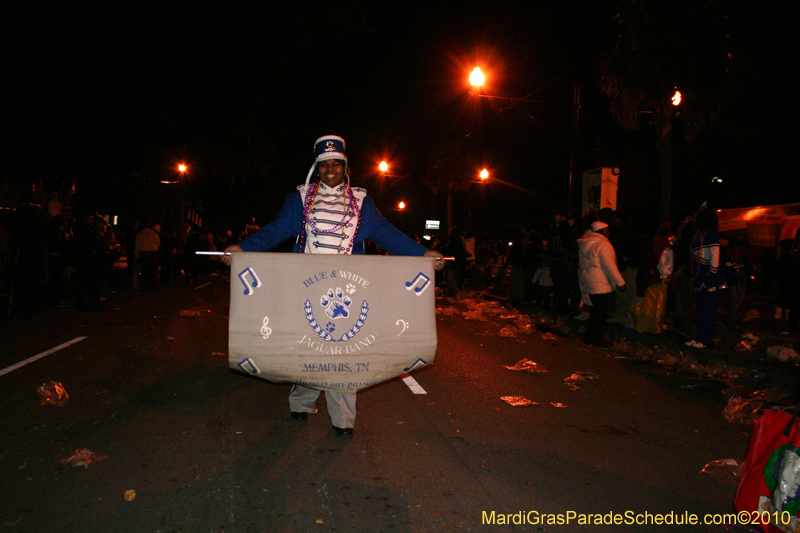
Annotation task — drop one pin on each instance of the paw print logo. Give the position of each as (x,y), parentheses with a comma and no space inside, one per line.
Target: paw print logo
(336,304)
(330,327)
(350,288)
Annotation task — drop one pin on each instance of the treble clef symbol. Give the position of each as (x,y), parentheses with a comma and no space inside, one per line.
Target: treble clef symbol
(265,330)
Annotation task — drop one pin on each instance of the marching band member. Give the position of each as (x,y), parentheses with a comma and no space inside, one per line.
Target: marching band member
(330,217)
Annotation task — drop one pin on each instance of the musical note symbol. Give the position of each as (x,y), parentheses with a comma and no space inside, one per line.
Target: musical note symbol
(248,366)
(265,331)
(417,364)
(405,326)
(255,283)
(418,290)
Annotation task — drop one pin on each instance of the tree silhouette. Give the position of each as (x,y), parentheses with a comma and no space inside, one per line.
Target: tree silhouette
(662,46)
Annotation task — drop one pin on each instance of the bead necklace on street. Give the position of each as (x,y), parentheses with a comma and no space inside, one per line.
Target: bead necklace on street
(350,210)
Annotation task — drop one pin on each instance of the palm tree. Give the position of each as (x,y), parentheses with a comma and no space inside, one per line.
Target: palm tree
(661,46)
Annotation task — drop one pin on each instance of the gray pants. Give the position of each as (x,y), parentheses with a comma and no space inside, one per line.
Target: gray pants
(341,405)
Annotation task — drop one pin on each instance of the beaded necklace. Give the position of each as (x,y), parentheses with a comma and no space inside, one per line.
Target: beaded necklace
(350,210)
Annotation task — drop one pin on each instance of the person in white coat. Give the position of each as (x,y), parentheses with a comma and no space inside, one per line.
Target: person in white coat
(598,276)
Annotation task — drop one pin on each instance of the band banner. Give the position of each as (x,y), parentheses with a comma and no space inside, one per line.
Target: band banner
(331,322)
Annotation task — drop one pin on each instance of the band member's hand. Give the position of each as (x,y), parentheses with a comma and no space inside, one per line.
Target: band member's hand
(439,263)
(233,248)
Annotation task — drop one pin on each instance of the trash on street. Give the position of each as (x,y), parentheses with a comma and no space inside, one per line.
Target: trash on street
(742,410)
(526,365)
(82,457)
(518,401)
(782,353)
(559,405)
(751,315)
(508,331)
(475,315)
(53,392)
(129,495)
(743,346)
(525,325)
(725,470)
(751,338)
(549,337)
(193,312)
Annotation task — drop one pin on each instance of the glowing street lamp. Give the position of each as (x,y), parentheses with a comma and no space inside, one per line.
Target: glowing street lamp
(182,168)
(476,78)
(401,205)
(676,98)
(383,166)
(484,174)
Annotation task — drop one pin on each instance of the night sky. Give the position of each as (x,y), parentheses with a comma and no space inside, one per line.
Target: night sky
(111,96)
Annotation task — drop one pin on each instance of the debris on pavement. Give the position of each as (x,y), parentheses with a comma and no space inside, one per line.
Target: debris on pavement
(129,495)
(508,331)
(526,365)
(524,325)
(170,338)
(782,353)
(560,405)
(743,346)
(751,315)
(742,410)
(475,315)
(518,401)
(549,337)
(193,312)
(53,392)
(751,338)
(82,457)
(725,470)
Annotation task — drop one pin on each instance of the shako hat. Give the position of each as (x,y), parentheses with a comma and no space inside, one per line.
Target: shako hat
(329,147)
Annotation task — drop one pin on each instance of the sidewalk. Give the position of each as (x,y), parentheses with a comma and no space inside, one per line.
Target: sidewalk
(746,367)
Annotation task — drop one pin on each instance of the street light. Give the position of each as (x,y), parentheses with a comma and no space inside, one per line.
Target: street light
(484,175)
(383,166)
(676,98)
(401,205)
(182,168)
(476,78)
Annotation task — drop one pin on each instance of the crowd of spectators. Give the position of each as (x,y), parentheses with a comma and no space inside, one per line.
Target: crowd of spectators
(52,254)
(540,266)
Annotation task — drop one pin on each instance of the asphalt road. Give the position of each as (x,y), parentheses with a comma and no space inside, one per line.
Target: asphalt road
(208,449)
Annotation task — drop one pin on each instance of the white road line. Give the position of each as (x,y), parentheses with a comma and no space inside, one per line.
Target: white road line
(413,385)
(203,285)
(39,356)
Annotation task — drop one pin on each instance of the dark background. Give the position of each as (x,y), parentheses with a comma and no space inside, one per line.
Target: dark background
(112,96)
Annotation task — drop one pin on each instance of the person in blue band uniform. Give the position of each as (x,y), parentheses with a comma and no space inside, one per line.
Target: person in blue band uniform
(706,275)
(328,216)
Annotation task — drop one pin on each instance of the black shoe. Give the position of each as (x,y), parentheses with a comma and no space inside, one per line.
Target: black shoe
(299,416)
(343,431)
